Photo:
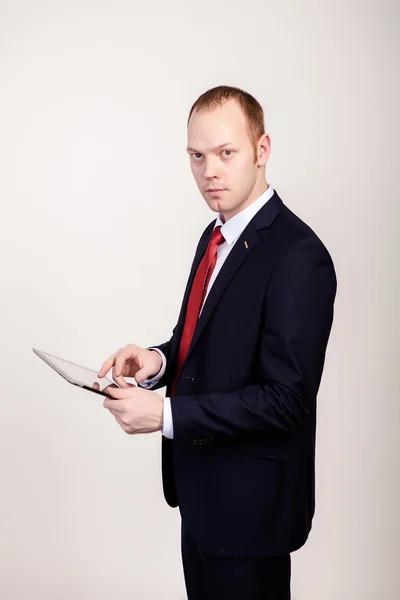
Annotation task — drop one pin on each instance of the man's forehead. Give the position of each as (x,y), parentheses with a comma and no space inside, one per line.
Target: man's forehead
(217,126)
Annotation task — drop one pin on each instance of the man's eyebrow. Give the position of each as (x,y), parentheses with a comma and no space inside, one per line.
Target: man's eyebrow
(189,149)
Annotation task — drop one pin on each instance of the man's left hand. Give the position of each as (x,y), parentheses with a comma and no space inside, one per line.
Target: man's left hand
(135,409)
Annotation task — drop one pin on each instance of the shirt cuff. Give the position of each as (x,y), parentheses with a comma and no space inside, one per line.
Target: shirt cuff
(168,425)
(152,381)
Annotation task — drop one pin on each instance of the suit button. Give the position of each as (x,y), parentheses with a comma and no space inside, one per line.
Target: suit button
(194,442)
(201,442)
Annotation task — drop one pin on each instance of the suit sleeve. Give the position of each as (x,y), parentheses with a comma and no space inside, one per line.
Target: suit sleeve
(297,319)
(157,382)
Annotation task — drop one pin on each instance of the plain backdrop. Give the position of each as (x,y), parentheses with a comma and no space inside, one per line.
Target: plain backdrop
(100,217)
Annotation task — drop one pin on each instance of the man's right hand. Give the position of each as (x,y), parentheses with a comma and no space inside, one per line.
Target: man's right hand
(132,361)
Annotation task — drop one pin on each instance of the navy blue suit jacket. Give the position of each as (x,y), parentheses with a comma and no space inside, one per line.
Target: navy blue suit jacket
(241,464)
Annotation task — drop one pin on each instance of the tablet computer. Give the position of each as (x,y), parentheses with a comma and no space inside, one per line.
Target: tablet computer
(76,374)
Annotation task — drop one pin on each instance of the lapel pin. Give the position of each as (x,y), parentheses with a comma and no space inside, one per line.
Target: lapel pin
(246,245)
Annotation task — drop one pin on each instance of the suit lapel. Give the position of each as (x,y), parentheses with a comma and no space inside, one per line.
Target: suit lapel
(239,253)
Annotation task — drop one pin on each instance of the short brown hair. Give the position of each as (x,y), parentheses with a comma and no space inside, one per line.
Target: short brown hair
(252,109)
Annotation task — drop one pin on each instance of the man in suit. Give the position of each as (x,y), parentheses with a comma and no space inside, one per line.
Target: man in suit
(242,368)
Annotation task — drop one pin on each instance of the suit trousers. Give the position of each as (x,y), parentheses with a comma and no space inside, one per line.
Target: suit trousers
(212,577)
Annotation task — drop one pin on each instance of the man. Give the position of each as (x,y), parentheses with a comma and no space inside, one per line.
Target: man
(242,368)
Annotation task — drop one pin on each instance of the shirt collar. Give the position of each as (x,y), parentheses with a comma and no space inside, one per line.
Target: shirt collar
(233,228)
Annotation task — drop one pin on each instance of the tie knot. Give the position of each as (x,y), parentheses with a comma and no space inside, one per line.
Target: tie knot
(217,237)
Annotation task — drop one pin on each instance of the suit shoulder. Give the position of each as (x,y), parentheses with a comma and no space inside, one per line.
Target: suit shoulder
(300,233)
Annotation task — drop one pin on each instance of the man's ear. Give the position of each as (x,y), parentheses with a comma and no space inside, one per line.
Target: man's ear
(263,149)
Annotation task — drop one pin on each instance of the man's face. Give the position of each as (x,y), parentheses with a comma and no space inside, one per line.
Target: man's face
(222,158)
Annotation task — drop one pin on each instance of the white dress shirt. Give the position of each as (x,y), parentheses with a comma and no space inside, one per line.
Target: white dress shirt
(231,230)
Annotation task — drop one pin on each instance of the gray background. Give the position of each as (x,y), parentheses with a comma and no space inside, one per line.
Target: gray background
(99,221)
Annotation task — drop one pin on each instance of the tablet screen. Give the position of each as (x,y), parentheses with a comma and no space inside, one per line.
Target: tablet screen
(76,374)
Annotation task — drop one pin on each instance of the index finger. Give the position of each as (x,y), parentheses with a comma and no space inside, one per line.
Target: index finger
(121,381)
(106,366)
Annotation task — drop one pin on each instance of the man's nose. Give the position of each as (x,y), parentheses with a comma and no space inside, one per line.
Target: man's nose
(211,168)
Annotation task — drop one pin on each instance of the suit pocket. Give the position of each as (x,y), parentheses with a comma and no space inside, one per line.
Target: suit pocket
(261,448)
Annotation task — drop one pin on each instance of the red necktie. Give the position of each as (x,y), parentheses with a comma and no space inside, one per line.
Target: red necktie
(196,298)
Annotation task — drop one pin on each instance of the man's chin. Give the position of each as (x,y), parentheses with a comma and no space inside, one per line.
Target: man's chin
(216,205)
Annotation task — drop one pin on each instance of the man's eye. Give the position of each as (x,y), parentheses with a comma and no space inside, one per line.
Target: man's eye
(229,152)
(197,155)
